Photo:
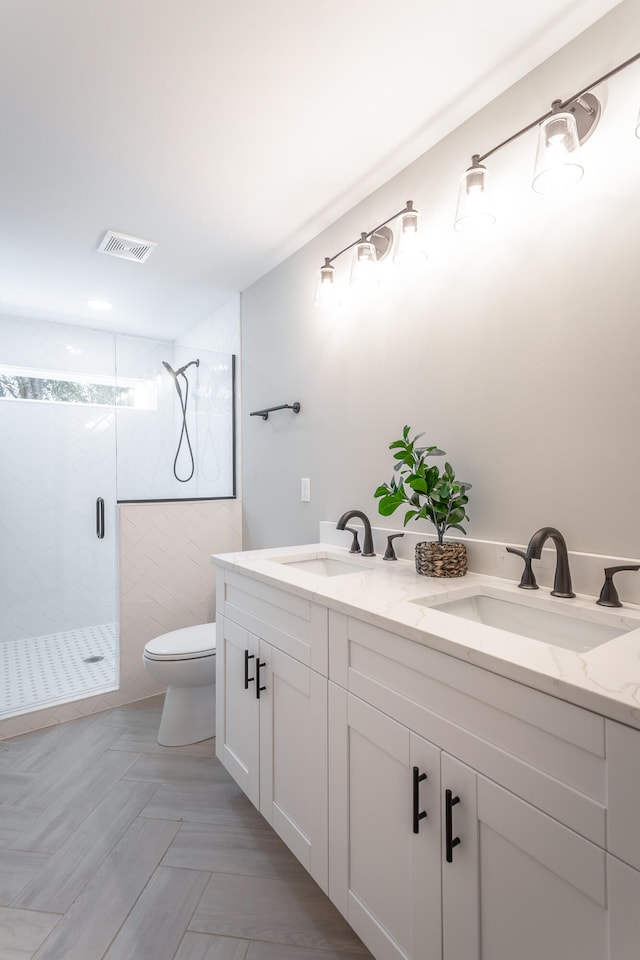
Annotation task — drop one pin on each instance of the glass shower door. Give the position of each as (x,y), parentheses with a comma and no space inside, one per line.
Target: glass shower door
(58,515)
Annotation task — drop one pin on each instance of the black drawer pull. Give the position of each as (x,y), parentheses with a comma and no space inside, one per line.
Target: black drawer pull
(418,815)
(451,841)
(259,663)
(247,679)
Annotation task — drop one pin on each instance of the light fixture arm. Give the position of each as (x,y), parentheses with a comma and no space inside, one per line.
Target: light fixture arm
(367,236)
(562,105)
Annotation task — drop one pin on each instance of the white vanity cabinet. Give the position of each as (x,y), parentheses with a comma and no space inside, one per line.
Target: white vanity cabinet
(520,860)
(486,876)
(451,813)
(271,710)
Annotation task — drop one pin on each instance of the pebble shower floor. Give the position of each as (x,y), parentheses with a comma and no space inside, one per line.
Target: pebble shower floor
(39,672)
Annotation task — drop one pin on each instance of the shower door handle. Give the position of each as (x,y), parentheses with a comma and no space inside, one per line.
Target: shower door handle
(100,518)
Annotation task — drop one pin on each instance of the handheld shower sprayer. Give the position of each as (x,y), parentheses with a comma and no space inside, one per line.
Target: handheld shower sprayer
(184,433)
(180,370)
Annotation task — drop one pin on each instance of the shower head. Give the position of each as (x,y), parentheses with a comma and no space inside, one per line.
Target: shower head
(180,370)
(193,363)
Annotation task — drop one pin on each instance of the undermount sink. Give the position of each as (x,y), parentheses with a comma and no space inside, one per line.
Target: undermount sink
(569,629)
(321,564)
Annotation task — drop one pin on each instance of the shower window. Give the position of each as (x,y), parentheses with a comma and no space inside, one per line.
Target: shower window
(22,383)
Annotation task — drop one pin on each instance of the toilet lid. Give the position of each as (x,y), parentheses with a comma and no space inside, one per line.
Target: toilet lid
(187,643)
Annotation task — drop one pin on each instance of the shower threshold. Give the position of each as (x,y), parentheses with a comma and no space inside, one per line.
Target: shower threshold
(55,668)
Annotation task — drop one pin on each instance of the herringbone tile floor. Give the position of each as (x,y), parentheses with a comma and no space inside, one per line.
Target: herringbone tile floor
(114,848)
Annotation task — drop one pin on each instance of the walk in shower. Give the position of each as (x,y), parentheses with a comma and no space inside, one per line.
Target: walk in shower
(88,420)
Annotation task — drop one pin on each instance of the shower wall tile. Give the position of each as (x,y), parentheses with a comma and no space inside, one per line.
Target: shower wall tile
(167,581)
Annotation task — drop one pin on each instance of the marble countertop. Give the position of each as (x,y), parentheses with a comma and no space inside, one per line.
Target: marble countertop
(605,679)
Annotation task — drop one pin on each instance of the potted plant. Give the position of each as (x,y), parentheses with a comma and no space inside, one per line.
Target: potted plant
(429,495)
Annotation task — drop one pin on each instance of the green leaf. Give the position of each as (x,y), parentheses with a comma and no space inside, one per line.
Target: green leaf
(382,490)
(456,526)
(387,506)
(432,476)
(409,515)
(418,484)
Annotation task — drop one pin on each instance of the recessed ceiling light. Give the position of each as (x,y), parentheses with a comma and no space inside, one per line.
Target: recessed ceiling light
(99,304)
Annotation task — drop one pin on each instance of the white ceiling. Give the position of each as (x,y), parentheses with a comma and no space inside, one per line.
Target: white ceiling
(230,132)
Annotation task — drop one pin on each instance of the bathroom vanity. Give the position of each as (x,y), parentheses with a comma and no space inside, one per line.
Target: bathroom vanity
(459,790)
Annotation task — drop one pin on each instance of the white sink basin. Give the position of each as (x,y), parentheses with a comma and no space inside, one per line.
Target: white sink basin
(571,629)
(321,564)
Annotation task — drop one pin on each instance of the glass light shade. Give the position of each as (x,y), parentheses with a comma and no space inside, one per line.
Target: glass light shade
(326,288)
(558,158)
(364,271)
(409,248)
(473,213)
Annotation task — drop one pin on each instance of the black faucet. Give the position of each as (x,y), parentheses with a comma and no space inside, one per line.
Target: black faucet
(367,546)
(562,578)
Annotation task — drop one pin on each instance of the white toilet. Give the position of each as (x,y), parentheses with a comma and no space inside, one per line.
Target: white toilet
(185,660)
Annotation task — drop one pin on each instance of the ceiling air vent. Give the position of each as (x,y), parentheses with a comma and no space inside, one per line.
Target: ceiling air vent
(128,248)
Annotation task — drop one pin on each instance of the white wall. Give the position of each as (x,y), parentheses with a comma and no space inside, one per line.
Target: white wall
(518,356)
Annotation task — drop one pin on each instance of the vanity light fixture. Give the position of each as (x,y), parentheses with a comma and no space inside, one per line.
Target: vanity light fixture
(562,130)
(370,248)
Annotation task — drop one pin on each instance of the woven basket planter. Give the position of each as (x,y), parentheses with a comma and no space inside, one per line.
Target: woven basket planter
(435,559)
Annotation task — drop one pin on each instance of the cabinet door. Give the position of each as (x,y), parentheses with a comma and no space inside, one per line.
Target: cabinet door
(623,792)
(384,877)
(519,883)
(237,706)
(623,889)
(293,757)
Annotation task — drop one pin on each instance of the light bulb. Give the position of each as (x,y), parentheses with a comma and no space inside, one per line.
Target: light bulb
(409,250)
(326,289)
(473,213)
(364,272)
(558,157)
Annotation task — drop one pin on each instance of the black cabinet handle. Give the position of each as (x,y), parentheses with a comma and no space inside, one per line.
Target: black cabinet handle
(247,679)
(100,518)
(418,815)
(259,663)
(451,841)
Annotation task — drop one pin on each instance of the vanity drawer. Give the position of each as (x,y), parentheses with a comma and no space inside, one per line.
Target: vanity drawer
(546,751)
(291,623)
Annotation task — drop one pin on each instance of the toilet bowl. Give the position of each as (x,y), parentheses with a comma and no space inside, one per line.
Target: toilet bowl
(185,660)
